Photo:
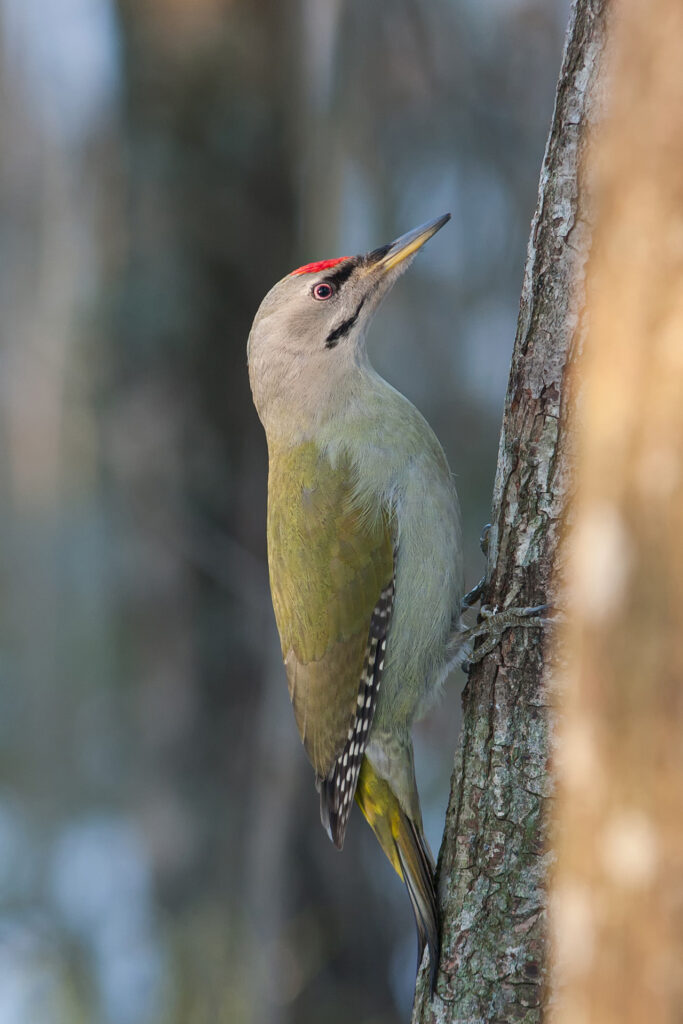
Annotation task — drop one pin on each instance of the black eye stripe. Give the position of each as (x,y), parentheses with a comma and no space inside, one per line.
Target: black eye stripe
(338,277)
(334,336)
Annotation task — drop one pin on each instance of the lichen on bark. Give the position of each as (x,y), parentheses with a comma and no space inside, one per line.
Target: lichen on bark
(494,858)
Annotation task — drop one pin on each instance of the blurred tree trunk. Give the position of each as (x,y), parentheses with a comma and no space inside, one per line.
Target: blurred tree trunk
(494,858)
(215,144)
(617,907)
(211,214)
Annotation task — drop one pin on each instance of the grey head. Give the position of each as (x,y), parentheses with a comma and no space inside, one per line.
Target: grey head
(306,349)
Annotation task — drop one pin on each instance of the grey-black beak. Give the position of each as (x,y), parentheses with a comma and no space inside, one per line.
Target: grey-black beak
(389,256)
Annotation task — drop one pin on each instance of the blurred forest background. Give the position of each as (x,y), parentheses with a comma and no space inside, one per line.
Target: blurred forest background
(162,164)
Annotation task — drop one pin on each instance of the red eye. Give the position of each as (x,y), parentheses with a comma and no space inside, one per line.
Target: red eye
(322,290)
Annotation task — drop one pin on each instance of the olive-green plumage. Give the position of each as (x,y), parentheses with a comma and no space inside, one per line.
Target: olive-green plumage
(328,565)
(364,552)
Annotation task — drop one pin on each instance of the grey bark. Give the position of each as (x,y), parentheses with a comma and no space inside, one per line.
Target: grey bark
(494,859)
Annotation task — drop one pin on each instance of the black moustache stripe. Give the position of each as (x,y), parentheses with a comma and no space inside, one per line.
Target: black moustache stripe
(334,336)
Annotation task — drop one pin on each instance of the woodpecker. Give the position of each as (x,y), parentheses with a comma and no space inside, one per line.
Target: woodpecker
(364,551)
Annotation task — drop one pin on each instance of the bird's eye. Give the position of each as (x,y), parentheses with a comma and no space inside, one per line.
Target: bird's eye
(322,290)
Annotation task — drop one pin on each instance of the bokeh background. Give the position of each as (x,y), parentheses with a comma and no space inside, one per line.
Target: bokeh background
(162,163)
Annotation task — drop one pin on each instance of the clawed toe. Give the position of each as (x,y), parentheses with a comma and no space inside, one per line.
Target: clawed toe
(493,622)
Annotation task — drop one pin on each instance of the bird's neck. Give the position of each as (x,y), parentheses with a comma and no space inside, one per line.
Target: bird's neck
(325,410)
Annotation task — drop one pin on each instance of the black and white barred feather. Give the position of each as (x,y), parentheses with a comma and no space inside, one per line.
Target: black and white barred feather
(338,788)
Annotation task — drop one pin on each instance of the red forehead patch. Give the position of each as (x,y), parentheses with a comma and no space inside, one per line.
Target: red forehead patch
(314,268)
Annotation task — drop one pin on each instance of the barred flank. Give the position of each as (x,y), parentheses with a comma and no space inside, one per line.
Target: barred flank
(337,790)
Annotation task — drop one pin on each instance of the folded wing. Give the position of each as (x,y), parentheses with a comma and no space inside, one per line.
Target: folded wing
(332,579)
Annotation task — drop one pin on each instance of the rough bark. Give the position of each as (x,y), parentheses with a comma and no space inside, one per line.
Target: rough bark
(494,858)
(617,906)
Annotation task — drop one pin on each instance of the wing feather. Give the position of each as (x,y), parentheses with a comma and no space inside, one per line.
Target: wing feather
(338,787)
(329,565)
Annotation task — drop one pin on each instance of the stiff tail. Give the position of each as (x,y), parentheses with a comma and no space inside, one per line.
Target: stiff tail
(406,847)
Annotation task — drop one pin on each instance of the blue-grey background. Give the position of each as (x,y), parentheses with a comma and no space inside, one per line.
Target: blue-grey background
(162,163)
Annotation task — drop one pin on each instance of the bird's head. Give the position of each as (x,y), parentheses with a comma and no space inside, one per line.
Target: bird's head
(307,342)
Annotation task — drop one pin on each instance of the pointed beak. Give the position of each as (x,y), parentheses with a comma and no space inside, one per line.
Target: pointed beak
(389,256)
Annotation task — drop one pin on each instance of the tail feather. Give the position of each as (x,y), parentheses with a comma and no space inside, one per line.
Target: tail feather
(403,842)
(333,820)
(418,875)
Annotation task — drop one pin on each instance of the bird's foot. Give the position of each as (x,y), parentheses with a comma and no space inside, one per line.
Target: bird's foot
(492,623)
(473,596)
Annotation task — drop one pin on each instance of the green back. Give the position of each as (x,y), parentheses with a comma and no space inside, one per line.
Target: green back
(328,564)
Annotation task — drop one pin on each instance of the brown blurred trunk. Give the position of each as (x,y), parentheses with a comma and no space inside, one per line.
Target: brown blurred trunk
(494,857)
(618,889)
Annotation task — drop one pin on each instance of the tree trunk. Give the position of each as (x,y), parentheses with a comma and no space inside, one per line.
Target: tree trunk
(494,857)
(617,906)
